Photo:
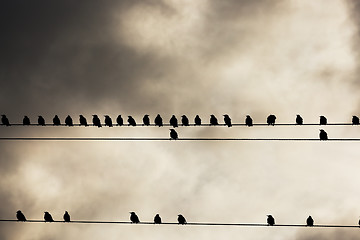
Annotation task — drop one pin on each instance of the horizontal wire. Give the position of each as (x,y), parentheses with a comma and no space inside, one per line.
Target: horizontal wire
(169,139)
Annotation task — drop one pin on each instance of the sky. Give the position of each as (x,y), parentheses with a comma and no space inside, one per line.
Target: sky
(166,57)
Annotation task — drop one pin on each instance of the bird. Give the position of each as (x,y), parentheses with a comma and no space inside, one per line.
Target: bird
(197,120)
(119,120)
(66,217)
(355,120)
(248,121)
(69,121)
(56,120)
(181,219)
(96,121)
(359,222)
(48,217)
(20,216)
(173,121)
(227,120)
(157,219)
(309,221)
(131,121)
(271,119)
(134,218)
(83,121)
(299,120)
(158,121)
(213,120)
(5,120)
(323,120)
(323,135)
(173,134)
(184,120)
(26,120)
(146,120)
(108,121)
(41,121)
(270,220)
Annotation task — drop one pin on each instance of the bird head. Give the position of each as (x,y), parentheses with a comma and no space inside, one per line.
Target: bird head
(146,115)
(298,115)
(183,116)
(94,115)
(132,213)
(18,211)
(66,211)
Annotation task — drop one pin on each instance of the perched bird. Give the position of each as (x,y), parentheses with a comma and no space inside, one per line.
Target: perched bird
(270,220)
(309,221)
(248,121)
(48,217)
(66,217)
(158,121)
(181,219)
(359,222)
(56,120)
(83,121)
(323,135)
(20,216)
(213,120)
(227,120)
(41,121)
(157,219)
(173,121)
(5,120)
(184,120)
(131,121)
(96,121)
(173,134)
(108,121)
(197,120)
(134,218)
(299,120)
(69,121)
(355,120)
(323,120)
(26,120)
(271,119)
(119,120)
(146,120)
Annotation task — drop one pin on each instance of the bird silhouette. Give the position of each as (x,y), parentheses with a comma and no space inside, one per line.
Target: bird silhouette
(66,217)
(181,219)
(146,120)
(69,121)
(270,220)
(271,119)
(56,121)
(355,120)
(213,120)
(248,121)
(184,120)
(323,135)
(157,219)
(96,121)
(41,121)
(197,120)
(173,121)
(173,134)
(20,216)
(359,222)
(323,120)
(309,221)
(158,121)
(108,121)
(119,120)
(48,217)
(83,121)
(134,218)
(131,121)
(26,120)
(5,120)
(227,120)
(299,120)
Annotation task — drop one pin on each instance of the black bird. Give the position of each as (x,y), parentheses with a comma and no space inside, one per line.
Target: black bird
(66,217)
(184,120)
(227,120)
(323,120)
(173,134)
(197,120)
(20,216)
(299,120)
(48,217)
(181,219)
(5,120)
(270,220)
(131,121)
(173,121)
(323,135)
(309,221)
(134,218)
(248,121)
(69,121)
(56,120)
(119,120)
(146,120)
(158,121)
(355,120)
(83,121)
(108,121)
(26,120)
(359,222)
(96,121)
(41,121)
(213,120)
(157,219)
(271,120)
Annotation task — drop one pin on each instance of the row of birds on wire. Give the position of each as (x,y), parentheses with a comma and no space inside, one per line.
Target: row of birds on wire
(158,121)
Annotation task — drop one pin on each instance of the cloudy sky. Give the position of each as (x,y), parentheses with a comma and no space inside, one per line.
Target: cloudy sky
(133,57)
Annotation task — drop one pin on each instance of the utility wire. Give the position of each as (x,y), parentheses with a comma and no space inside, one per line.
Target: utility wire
(169,139)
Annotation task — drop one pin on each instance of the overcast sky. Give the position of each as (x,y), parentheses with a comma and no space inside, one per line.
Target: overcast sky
(178,57)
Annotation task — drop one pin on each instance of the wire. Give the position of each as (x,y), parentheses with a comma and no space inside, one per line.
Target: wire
(169,139)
